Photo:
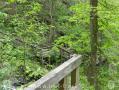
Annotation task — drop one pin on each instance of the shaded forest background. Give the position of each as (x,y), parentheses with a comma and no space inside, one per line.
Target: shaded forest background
(32,33)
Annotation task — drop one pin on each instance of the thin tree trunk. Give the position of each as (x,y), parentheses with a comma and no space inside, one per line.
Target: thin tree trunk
(94,43)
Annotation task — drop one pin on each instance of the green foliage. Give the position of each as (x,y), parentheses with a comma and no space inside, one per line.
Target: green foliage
(19,34)
(27,27)
(77,30)
(77,34)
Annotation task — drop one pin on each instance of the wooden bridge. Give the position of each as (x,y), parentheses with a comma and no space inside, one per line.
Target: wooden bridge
(59,76)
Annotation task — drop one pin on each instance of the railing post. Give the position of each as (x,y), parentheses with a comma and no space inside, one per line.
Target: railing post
(63,84)
(75,78)
(60,75)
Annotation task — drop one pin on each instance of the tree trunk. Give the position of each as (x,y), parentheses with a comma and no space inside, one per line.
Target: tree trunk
(94,43)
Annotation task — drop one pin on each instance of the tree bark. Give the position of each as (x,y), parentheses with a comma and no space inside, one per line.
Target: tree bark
(94,43)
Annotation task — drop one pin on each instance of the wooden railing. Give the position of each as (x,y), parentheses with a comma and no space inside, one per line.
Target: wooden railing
(60,76)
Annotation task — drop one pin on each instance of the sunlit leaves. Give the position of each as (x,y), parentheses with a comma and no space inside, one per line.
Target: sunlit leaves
(80,13)
(20,1)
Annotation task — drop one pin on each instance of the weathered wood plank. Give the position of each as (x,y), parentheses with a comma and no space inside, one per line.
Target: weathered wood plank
(63,84)
(75,77)
(56,75)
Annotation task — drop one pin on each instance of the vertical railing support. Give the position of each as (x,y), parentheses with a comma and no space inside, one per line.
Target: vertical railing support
(63,84)
(75,78)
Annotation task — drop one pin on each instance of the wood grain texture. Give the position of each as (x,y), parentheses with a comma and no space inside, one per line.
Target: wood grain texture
(56,75)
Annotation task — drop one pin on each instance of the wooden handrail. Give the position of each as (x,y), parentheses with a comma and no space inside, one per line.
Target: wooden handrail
(59,75)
